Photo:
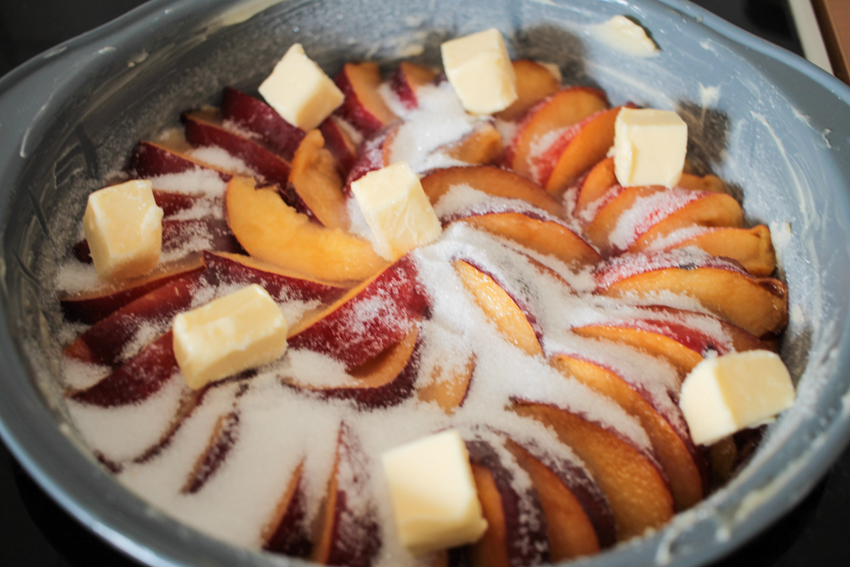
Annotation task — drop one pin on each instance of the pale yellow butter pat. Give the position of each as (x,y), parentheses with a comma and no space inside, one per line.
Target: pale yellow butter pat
(123,228)
(728,393)
(242,330)
(434,499)
(649,147)
(396,209)
(624,35)
(480,70)
(300,91)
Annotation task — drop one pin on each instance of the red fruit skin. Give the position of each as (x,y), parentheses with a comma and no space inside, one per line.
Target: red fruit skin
(338,143)
(140,378)
(104,342)
(201,132)
(256,116)
(173,203)
(228,270)
(152,160)
(525,523)
(227,434)
(352,336)
(178,233)
(90,310)
(370,158)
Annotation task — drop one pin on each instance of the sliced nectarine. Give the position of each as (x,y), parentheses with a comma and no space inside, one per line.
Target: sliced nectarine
(286,532)
(578,516)
(243,270)
(516,523)
(105,341)
(272,231)
(150,159)
(544,236)
(480,147)
(572,157)
(259,118)
(684,465)
(367,319)
(223,437)
(534,82)
(448,392)
(91,306)
(597,181)
(382,381)
(204,128)
(637,490)
(751,247)
(499,307)
(338,142)
(757,305)
(681,344)
(363,107)
(493,181)
(409,78)
(314,177)
(549,117)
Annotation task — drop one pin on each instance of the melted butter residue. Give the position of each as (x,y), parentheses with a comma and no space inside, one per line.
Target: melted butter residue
(624,35)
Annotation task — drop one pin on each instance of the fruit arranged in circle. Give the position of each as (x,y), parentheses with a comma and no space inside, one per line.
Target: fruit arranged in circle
(551,323)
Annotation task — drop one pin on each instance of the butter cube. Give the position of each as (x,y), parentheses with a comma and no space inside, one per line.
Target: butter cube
(396,209)
(649,147)
(300,91)
(480,70)
(242,330)
(434,499)
(728,393)
(123,227)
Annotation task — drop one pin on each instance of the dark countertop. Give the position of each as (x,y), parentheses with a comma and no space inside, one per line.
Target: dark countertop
(36,532)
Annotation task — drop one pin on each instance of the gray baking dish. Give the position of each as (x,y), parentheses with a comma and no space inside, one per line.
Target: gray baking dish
(766,121)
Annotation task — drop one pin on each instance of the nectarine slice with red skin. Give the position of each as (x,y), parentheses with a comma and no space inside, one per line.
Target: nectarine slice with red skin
(204,128)
(651,212)
(751,247)
(243,270)
(500,307)
(385,380)
(544,236)
(577,513)
(150,159)
(598,180)
(516,523)
(257,117)
(367,319)
(571,156)
(492,181)
(314,177)
(637,490)
(448,392)
(681,345)
(346,535)
(136,380)
(172,203)
(534,82)
(224,435)
(363,107)
(287,533)
(91,306)
(560,111)
(682,462)
(409,78)
(272,231)
(706,209)
(374,153)
(757,305)
(105,341)
(178,233)
(339,144)
(482,146)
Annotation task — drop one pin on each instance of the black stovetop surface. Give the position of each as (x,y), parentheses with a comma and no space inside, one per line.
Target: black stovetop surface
(36,532)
